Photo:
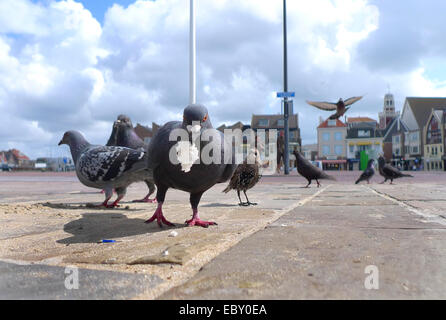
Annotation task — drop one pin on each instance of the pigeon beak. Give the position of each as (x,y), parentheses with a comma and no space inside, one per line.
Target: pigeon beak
(60,142)
(194,129)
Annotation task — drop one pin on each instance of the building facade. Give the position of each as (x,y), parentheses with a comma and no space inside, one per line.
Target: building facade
(415,115)
(331,144)
(433,136)
(364,141)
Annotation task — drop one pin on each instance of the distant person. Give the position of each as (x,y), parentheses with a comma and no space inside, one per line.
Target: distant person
(280,151)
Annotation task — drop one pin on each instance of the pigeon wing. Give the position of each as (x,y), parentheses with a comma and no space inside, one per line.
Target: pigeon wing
(391,171)
(327,106)
(351,100)
(110,163)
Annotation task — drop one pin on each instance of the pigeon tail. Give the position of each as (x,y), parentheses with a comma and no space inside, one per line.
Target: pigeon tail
(227,189)
(406,175)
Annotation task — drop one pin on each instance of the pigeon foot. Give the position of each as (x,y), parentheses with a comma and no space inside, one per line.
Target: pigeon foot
(158,215)
(243,204)
(146,200)
(200,223)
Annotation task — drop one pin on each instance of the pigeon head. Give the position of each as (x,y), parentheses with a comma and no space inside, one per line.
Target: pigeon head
(381,161)
(76,141)
(123,121)
(194,114)
(72,137)
(371,163)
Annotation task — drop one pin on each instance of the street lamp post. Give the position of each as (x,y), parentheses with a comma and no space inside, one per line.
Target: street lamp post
(285,100)
(192,55)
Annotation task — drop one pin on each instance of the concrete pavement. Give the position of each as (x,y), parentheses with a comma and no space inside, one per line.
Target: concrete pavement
(297,243)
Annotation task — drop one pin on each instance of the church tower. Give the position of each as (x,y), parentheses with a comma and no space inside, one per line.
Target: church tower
(388,113)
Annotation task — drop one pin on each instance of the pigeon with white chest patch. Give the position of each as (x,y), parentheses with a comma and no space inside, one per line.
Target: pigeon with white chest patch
(106,167)
(188,174)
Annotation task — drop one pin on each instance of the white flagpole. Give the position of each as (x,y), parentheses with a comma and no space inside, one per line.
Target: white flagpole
(192,55)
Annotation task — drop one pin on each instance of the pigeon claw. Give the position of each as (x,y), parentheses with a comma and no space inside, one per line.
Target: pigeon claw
(158,215)
(200,223)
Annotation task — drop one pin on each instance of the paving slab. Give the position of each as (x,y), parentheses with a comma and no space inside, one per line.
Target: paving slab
(33,281)
(322,252)
(297,243)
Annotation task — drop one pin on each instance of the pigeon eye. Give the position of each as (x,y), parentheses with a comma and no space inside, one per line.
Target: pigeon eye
(205,118)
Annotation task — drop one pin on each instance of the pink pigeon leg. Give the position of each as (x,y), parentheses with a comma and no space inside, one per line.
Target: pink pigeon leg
(196,221)
(158,215)
(115,203)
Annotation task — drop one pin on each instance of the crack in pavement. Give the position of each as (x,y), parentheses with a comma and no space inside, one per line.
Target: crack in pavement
(428,217)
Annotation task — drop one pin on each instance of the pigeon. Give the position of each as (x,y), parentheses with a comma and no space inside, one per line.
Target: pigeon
(246,176)
(123,135)
(368,173)
(389,172)
(195,178)
(309,171)
(340,106)
(105,167)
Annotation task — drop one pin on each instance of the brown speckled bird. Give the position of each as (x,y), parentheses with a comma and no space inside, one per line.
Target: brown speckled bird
(246,176)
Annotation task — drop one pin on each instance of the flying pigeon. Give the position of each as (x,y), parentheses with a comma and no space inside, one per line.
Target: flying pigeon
(246,176)
(105,167)
(192,177)
(309,171)
(340,106)
(368,173)
(389,172)
(123,135)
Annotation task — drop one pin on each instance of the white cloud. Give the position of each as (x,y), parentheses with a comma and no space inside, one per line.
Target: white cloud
(61,69)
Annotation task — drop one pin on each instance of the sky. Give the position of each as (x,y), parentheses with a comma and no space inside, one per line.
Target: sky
(76,65)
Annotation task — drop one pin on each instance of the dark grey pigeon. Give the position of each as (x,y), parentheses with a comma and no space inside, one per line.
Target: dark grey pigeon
(339,106)
(310,171)
(105,167)
(245,177)
(368,173)
(195,179)
(389,172)
(124,135)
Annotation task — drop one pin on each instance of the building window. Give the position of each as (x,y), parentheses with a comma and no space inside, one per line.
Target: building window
(339,150)
(280,122)
(331,123)
(263,122)
(363,133)
(326,136)
(338,136)
(325,150)
(352,148)
(414,149)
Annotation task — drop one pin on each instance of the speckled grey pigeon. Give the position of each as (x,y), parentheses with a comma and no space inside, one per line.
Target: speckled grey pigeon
(389,172)
(339,106)
(124,135)
(368,173)
(309,171)
(195,179)
(105,167)
(246,176)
